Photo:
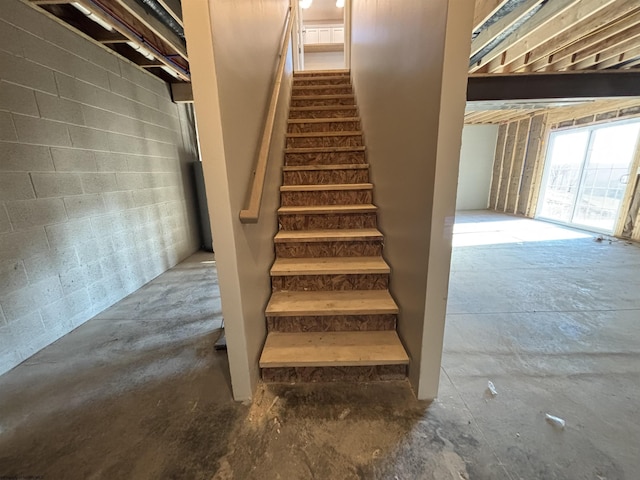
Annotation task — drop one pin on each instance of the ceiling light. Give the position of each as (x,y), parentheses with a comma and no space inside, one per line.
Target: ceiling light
(92,16)
(305,3)
(141,50)
(340,3)
(170,72)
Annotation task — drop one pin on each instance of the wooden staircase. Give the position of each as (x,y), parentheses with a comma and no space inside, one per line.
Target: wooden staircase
(330,316)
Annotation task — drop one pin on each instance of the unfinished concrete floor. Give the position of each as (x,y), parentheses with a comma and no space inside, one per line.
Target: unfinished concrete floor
(551,316)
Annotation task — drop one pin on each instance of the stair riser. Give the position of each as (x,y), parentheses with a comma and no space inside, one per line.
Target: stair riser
(334,374)
(303,82)
(338,113)
(324,127)
(339,197)
(332,323)
(325,158)
(319,102)
(328,141)
(322,90)
(330,282)
(370,248)
(327,221)
(325,177)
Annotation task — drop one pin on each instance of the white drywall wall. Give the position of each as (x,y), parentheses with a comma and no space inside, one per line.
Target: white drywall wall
(476,166)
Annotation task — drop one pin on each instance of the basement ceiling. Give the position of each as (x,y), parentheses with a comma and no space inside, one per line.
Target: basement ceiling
(150,33)
(541,36)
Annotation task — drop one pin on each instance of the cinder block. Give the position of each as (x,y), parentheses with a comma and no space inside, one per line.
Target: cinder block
(134,181)
(160,134)
(22,244)
(146,196)
(29,299)
(91,73)
(5,224)
(91,251)
(166,106)
(53,107)
(23,72)
(15,157)
(32,213)
(111,162)
(117,201)
(84,206)
(69,306)
(56,184)
(80,277)
(44,53)
(11,39)
(124,144)
(25,333)
(77,90)
(25,17)
(112,122)
(144,79)
(99,182)
(17,99)
(15,186)
(131,91)
(106,292)
(7,129)
(73,160)
(50,263)
(89,138)
(41,132)
(65,235)
(12,277)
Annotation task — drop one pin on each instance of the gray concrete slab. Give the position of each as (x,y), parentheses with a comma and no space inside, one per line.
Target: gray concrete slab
(546,313)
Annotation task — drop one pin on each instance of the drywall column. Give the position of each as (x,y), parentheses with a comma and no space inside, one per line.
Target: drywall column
(232,81)
(409,62)
(476,166)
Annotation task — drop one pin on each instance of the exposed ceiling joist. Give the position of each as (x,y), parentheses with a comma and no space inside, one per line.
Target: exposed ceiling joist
(624,57)
(618,47)
(562,22)
(559,51)
(541,18)
(174,8)
(485,9)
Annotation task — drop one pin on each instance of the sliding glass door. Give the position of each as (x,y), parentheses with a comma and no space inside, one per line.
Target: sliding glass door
(586,175)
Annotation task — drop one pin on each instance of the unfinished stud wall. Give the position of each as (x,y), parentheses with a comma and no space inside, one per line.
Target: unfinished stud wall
(516,166)
(95,192)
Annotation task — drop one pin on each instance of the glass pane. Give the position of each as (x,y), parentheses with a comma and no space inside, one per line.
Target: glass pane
(605,176)
(563,168)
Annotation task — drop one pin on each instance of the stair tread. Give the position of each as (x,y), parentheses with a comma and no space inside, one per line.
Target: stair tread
(331,72)
(346,133)
(296,80)
(327,209)
(323,149)
(323,107)
(334,302)
(329,266)
(351,234)
(324,120)
(317,97)
(337,166)
(313,87)
(333,349)
(326,187)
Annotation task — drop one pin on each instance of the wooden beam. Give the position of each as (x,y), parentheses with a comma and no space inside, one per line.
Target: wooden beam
(561,22)
(174,8)
(110,37)
(622,57)
(545,15)
(585,84)
(631,65)
(182,92)
(595,55)
(157,27)
(50,2)
(489,34)
(484,10)
(556,53)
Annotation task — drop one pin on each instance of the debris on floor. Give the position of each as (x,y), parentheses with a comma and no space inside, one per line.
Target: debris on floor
(492,388)
(555,421)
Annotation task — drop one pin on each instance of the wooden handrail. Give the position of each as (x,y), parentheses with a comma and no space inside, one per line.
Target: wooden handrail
(252,212)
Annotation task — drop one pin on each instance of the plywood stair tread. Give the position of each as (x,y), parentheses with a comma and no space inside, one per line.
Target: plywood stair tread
(323,108)
(332,349)
(333,72)
(330,96)
(325,134)
(338,166)
(330,266)
(331,302)
(327,209)
(299,80)
(334,235)
(324,149)
(324,120)
(326,187)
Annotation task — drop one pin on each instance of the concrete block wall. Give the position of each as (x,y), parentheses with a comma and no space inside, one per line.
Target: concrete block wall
(95,192)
